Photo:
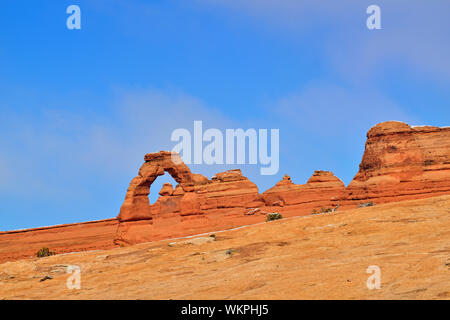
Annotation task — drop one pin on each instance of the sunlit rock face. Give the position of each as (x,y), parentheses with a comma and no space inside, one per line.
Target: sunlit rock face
(402,162)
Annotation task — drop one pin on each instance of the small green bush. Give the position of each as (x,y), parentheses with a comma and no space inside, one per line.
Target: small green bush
(322,210)
(44,252)
(273,216)
(326,210)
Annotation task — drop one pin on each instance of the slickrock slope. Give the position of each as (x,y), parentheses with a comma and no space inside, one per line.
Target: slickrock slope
(93,235)
(402,162)
(312,257)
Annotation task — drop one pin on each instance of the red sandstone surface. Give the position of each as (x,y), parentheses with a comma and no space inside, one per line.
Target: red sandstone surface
(323,256)
(67,238)
(399,163)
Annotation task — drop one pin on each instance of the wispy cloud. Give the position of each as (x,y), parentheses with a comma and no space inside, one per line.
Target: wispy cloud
(415,33)
(330,110)
(54,151)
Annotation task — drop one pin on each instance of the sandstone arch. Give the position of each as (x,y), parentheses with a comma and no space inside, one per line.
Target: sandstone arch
(136,205)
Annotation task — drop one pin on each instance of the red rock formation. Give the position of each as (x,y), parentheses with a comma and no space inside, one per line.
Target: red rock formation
(399,163)
(229,189)
(323,190)
(136,205)
(166,190)
(402,162)
(203,206)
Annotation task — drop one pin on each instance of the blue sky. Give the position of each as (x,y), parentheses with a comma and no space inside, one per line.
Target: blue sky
(80,108)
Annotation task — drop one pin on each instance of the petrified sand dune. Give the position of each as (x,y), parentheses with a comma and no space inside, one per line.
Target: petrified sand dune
(400,162)
(323,256)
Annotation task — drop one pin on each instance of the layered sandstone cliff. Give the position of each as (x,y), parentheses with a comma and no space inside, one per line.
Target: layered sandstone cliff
(402,162)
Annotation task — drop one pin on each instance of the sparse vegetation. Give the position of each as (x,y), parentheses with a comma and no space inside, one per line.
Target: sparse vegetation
(366,204)
(44,252)
(322,210)
(273,216)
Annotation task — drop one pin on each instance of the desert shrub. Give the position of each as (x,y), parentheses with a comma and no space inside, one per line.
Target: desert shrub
(273,216)
(367,204)
(314,211)
(44,252)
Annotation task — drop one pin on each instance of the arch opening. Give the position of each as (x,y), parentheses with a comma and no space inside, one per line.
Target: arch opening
(156,186)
